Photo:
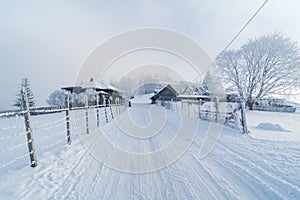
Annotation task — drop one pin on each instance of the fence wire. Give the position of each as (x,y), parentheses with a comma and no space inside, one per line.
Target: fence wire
(49,131)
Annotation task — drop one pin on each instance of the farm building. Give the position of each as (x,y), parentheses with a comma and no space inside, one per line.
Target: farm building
(115,95)
(180,92)
(106,93)
(167,93)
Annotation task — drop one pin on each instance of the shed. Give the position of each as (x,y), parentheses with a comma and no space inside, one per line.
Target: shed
(165,94)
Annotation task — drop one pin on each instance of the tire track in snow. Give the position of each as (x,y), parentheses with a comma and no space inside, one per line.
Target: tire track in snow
(163,191)
(99,176)
(192,171)
(267,161)
(183,188)
(81,165)
(77,171)
(232,176)
(274,183)
(261,168)
(246,173)
(48,176)
(85,168)
(230,193)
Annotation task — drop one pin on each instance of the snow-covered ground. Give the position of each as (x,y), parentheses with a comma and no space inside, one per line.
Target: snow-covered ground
(274,125)
(254,166)
(142,98)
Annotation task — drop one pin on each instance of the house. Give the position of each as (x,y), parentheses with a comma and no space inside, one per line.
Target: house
(167,93)
(115,95)
(106,93)
(180,92)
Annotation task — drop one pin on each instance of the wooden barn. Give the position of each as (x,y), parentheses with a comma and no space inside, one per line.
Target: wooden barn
(180,92)
(167,93)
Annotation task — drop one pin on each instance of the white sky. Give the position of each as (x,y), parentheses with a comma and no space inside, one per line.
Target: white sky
(48,41)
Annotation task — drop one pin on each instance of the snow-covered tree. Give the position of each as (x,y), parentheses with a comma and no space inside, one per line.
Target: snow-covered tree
(57,98)
(92,96)
(18,102)
(262,67)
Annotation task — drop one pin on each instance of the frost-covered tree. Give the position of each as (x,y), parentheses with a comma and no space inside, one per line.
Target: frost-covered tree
(92,96)
(264,66)
(18,102)
(57,98)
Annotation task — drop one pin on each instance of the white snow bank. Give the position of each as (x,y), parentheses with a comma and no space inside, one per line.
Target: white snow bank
(274,126)
(270,127)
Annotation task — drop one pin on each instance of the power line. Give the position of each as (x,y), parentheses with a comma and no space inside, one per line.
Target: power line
(248,22)
(236,36)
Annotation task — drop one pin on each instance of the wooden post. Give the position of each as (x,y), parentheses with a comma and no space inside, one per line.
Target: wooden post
(181,103)
(111,112)
(119,108)
(188,104)
(199,110)
(106,118)
(67,102)
(30,140)
(236,120)
(217,108)
(97,107)
(87,114)
(243,116)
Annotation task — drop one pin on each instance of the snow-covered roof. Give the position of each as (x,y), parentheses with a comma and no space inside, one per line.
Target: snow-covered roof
(107,86)
(102,92)
(164,88)
(186,96)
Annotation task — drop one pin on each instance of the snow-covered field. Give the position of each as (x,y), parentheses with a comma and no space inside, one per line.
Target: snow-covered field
(262,165)
(274,125)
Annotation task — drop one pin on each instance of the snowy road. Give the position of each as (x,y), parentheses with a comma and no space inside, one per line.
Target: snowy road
(239,167)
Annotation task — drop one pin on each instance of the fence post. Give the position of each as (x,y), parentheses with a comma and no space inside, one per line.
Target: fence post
(199,110)
(111,112)
(97,107)
(87,114)
(67,102)
(217,108)
(236,120)
(106,118)
(30,141)
(243,116)
(188,104)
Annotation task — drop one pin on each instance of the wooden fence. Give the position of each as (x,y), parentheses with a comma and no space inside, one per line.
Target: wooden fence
(227,113)
(109,114)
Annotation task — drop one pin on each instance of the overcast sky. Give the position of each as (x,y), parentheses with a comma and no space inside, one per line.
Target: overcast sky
(48,41)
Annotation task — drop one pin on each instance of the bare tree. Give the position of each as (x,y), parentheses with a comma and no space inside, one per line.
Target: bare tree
(267,65)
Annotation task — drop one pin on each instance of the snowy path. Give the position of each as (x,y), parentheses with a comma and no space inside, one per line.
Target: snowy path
(239,167)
